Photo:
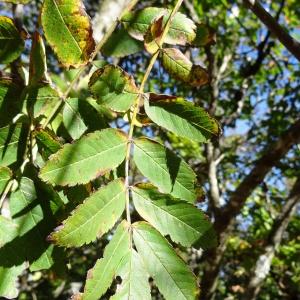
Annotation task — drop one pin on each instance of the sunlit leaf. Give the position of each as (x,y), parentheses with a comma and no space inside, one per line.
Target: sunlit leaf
(5,176)
(100,277)
(113,87)
(170,273)
(72,118)
(180,67)
(183,118)
(182,221)
(89,157)
(93,218)
(182,29)
(164,169)
(11,43)
(135,284)
(68,30)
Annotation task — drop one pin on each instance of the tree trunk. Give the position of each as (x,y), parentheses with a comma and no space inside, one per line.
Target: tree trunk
(263,263)
(225,222)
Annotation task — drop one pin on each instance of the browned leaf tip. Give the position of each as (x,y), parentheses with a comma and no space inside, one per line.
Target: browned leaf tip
(157,97)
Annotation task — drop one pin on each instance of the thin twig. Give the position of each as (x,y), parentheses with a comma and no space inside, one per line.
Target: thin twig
(137,104)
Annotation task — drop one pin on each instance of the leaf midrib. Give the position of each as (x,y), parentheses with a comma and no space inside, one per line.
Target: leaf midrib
(162,168)
(158,258)
(93,217)
(80,161)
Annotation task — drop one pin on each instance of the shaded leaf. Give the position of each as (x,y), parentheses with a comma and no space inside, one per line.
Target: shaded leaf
(10,140)
(40,99)
(182,221)
(171,275)
(164,169)
(37,64)
(121,44)
(5,176)
(86,159)
(100,277)
(72,118)
(11,43)
(9,271)
(93,218)
(113,87)
(10,101)
(47,142)
(153,34)
(68,30)
(135,284)
(34,220)
(180,67)
(183,118)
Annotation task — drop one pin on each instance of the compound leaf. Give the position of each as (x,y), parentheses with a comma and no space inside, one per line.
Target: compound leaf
(113,87)
(180,67)
(72,119)
(164,169)
(135,284)
(183,118)
(89,157)
(37,64)
(5,176)
(100,277)
(182,30)
(11,43)
(68,30)
(94,217)
(170,273)
(182,221)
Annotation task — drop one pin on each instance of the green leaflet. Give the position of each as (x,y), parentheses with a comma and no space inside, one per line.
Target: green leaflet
(47,142)
(89,157)
(17,1)
(40,99)
(5,176)
(100,277)
(113,87)
(10,142)
(180,67)
(68,30)
(135,284)
(10,269)
(121,44)
(183,118)
(182,29)
(171,275)
(164,169)
(93,218)
(34,220)
(11,43)
(182,221)
(72,119)
(10,104)
(37,64)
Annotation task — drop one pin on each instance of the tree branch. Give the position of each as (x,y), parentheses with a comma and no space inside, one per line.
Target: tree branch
(277,30)
(271,157)
(263,263)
